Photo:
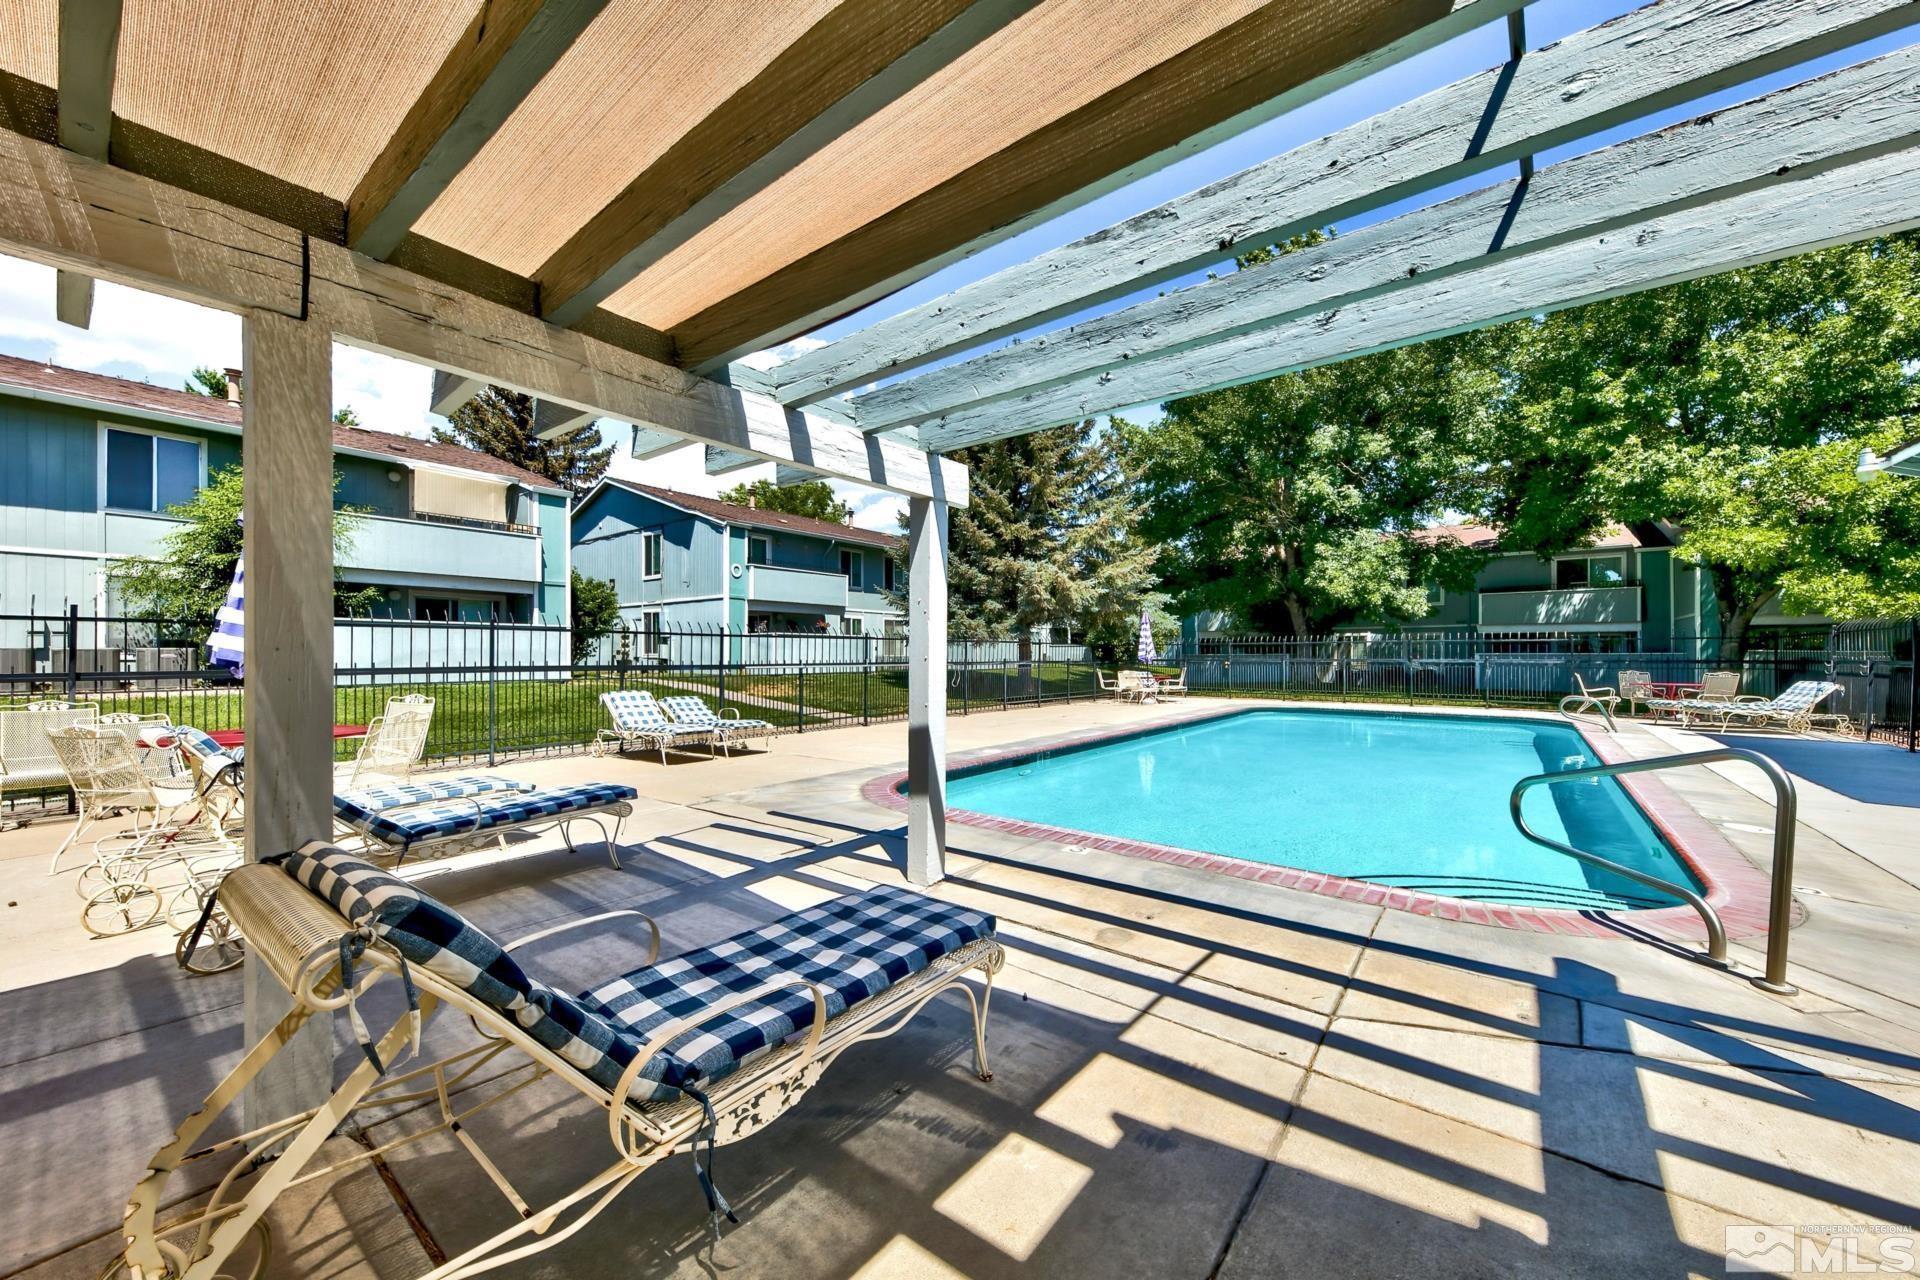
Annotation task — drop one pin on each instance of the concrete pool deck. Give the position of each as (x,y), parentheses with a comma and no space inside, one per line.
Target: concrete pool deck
(1195,1075)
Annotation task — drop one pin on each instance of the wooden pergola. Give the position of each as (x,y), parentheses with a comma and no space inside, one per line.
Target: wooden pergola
(606,203)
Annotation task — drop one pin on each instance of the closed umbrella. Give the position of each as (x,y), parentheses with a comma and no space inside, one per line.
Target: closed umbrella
(226,640)
(1146,652)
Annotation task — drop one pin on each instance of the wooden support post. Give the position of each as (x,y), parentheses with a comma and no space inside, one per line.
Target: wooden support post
(288,435)
(926,690)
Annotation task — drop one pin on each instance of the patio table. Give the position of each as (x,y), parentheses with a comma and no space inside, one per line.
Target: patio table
(238,737)
(1673,688)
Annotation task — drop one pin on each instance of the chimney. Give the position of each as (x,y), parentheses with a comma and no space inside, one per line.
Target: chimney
(753,503)
(233,386)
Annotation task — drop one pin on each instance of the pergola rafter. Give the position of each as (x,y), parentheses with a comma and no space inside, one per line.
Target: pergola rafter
(1846,115)
(1655,57)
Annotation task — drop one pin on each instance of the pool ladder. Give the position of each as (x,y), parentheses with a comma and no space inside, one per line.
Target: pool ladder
(1786,807)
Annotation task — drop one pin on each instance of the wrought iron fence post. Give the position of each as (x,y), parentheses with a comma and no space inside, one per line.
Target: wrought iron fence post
(866,672)
(1913,676)
(726,656)
(966,677)
(73,650)
(803,698)
(493,685)
(1866,716)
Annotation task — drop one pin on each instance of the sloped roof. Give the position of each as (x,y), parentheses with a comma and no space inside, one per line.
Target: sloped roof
(142,397)
(1486,537)
(756,518)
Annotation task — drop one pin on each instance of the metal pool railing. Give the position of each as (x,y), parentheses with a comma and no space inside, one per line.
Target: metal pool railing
(1786,806)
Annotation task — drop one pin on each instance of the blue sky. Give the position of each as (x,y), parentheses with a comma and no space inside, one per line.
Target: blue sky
(159,340)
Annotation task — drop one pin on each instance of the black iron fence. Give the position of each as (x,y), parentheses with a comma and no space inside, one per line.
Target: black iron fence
(512,688)
(504,688)
(1873,662)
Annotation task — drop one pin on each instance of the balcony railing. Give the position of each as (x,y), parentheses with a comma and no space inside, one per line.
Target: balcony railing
(772,584)
(1562,606)
(467,522)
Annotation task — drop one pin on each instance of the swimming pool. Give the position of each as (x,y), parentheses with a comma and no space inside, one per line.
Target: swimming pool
(1414,801)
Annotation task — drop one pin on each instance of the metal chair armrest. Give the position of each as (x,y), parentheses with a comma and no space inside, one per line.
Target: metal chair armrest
(568,926)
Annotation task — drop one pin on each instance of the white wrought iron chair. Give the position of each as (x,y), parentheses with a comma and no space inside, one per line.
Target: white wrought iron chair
(27,758)
(395,741)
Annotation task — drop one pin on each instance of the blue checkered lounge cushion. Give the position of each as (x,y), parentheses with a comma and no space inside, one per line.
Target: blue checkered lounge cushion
(363,803)
(403,828)
(854,947)
(435,937)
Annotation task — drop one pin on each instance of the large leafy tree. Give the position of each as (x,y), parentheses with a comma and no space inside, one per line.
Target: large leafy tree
(595,613)
(1735,406)
(1050,535)
(187,580)
(813,498)
(500,422)
(1269,500)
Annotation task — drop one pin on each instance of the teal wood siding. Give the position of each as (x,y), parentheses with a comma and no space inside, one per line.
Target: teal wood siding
(606,544)
(1656,579)
(363,483)
(553,513)
(50,482)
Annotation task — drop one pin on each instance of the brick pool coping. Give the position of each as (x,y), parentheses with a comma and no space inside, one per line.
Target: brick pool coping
(1736,889)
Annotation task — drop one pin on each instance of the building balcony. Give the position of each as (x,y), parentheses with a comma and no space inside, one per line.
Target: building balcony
(808,588)
(397,544)
(1565,607)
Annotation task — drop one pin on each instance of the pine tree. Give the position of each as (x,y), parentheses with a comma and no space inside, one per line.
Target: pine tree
(500,422)
(1049,536)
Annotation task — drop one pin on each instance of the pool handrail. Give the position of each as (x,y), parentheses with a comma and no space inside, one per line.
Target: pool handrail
(1786,807)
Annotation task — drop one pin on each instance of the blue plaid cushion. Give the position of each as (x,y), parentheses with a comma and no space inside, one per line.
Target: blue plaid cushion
(406,827)
(367,801)
(435,937)
(854,947)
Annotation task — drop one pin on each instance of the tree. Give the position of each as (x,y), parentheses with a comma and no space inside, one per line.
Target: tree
(207,381)
(346,417)
(1270,500)
(188,580)
(1734,406)
(596,613)
(1048,536)
(813,498)
(500,422)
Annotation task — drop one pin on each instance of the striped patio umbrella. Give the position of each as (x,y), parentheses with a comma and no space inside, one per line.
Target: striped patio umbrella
(1145,652)
(228,628)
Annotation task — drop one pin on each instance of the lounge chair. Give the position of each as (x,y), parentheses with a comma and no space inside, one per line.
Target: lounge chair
(1170,687)
(638,718)
(458,814)
(1601,698)
(725,727)
(1716,687)
(684,1054)
(1796,710)
(1136,686)
(1636,687)
(395,741)
(1110,684)
(27,759)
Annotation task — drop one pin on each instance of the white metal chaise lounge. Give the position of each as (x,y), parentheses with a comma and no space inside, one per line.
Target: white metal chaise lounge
(1601,698)
(726,726)
(454,814)
(1795,710)
(638,718)
(682,1055)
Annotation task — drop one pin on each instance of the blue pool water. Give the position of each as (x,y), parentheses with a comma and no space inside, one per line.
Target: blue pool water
(1409,800)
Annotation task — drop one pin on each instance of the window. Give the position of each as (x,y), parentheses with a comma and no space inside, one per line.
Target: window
(887,571)
(652,644)
(435,609)
(852,626)
(1436,596)
(146,472)
(853,564)
(757,551)
(650,549)
(1590,571)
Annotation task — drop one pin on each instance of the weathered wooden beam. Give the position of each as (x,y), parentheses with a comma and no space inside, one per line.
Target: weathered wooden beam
(648,442)
(1664,54)
(926,691)
(1796,215)
(61,210)
(552,419)
(1841,117)
(786,476)
(855,61)
(722,462)
(507,49)
(289,656)
(450,391)
(89,51)
(1281,55)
